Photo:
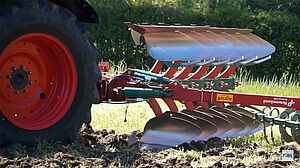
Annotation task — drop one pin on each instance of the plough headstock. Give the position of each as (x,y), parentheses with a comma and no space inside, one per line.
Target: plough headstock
(211,110)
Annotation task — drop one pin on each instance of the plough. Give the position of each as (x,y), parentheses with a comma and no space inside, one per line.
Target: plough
(200,61)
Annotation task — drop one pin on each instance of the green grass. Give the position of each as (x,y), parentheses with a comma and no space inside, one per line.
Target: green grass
(285,87)
(111,116)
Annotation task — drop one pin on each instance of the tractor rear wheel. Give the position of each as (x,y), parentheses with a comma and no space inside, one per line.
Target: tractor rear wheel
(48,73)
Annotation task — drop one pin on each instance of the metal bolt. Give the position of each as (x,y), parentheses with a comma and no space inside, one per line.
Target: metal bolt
(25,90)
(182,101)
(10,86)
(22,66)
(8,76)
(13,68)
(175,84)
(28,72)
(17,92)
(29,82)
(129,72)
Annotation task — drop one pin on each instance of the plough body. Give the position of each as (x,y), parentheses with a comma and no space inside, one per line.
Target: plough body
(211,110)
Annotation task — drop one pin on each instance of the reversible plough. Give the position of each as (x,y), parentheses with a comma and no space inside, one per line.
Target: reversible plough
(200,61)
(49,75)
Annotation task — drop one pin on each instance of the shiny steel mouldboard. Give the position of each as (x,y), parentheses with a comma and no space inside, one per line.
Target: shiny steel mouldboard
(203,45)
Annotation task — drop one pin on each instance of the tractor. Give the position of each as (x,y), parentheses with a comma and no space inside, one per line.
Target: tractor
(49,78)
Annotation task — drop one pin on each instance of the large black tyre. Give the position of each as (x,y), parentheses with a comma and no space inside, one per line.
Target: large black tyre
(23,17)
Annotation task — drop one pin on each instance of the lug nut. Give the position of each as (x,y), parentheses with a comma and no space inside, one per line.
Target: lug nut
(29,82)
(10,86)
(13,68)
(8,76)
(25,90)
(28,72)
(17,92)
(22,66)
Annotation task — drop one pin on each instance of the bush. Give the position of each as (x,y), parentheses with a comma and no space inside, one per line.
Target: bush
(280,28)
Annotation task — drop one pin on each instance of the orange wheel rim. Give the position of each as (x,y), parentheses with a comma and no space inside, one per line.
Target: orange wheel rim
(38,81)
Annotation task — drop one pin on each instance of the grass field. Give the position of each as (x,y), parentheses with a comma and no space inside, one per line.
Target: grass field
(111,116)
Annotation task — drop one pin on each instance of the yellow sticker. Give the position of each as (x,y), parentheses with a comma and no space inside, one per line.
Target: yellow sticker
(224,98)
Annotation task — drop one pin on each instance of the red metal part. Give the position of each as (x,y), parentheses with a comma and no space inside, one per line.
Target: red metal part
(170,74)
(107,92)
(228,72)
(171,71)
(157,67)
(188,95)
(214,72)
(48,78)
(104,66)
(109,84)
(189,105)
(184,73)
(199,73)
(102,87)
(122,81)
(181,93)
(171,104)
(155,106)
(211,75)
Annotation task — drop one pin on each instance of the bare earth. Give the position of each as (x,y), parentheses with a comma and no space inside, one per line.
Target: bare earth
(107,149)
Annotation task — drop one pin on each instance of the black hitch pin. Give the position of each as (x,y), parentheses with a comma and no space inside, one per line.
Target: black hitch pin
(272,122)
(126,111)
(265,132)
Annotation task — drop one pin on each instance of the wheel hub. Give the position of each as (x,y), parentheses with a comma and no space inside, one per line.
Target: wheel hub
(18,80)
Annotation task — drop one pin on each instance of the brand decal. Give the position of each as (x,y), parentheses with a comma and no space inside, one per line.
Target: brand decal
(280,101)
(224,98)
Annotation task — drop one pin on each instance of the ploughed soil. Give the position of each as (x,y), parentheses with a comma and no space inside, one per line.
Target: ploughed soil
(105,148)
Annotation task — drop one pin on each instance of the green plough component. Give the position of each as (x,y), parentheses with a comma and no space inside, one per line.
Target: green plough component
(289,118)
(211,84)
(152,76)
(206,84)
(277,120)
(143,93)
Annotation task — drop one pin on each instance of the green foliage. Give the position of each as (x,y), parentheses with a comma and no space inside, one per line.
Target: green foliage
(292,6)
(279,26)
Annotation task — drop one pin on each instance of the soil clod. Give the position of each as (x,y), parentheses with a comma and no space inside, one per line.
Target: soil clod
(104,148)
